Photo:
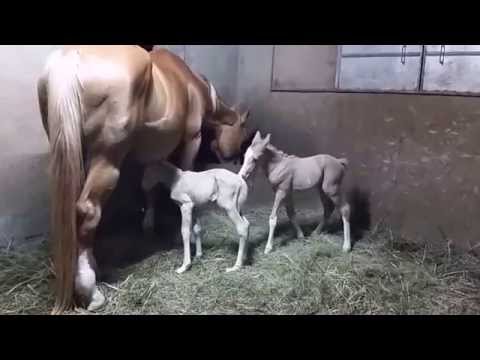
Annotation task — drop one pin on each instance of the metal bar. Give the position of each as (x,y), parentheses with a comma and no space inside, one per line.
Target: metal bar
(367,55)
(422,69)
(379,92)
(339,66)
(453,53)
(272,68)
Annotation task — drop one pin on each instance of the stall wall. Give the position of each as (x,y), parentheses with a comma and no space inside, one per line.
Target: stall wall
(417,157)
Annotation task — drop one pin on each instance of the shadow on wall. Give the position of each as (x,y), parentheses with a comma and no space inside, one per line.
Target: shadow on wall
(360,217)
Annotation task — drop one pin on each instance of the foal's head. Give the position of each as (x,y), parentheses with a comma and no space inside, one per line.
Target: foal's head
(254,153)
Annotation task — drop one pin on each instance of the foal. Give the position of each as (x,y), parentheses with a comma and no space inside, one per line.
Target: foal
(287,173)
(191,189)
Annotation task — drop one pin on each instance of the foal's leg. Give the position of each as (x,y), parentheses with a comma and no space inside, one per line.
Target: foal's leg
(279,197)
(337,198)
(242,225)
(186,209)
(347,241)
(292,216)
(197,236)
(328,208)
(101,181)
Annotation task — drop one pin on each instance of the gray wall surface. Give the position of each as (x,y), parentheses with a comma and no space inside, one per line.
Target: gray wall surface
(417,156)
(23,144)
(219,63)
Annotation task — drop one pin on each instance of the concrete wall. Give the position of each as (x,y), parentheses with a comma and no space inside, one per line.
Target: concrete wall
(23,144)
(219,63)
(417,156)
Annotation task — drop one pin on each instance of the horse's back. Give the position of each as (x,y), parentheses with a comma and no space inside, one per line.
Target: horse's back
(170,63)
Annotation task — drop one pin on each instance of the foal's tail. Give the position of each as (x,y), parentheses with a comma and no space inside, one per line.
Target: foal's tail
(66,169)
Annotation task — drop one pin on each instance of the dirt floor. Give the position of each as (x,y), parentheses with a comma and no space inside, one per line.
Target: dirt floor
(382,275)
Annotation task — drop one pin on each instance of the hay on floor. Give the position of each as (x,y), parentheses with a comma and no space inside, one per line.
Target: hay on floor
(382,275)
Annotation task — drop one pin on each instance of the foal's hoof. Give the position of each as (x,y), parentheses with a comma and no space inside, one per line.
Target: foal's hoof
(268,250)
(233,268)
(300,236)
(98,300)
(183,268)
(346,249)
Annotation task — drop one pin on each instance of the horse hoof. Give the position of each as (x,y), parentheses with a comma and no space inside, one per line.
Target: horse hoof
(267,251)
(346,249)
(233,268)
(98,300)
(182,269)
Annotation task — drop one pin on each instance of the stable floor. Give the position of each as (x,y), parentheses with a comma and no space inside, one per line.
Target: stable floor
(382,275)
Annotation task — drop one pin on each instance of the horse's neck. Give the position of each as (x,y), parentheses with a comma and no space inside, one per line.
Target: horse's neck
(272,158)
(222,108)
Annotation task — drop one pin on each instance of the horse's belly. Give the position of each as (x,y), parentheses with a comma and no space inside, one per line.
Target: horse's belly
(153,145)
(306,175)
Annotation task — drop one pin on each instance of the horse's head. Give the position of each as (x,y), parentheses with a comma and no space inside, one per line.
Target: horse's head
(253,154)
(230,127)
(230,140)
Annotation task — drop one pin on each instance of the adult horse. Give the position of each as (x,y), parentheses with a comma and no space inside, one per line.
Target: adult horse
(98,105)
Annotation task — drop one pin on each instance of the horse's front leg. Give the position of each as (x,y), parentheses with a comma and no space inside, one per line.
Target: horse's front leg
(150,179)
(190,152)
(149,216)
(187,209)
(279,197)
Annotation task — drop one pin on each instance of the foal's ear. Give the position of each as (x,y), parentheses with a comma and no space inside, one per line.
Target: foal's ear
(258,136)
(266,141)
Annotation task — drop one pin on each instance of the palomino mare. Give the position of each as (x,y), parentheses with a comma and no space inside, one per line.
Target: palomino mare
(98,104)
(288,173)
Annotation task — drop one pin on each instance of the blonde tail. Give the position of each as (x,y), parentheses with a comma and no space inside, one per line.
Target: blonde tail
(66,169)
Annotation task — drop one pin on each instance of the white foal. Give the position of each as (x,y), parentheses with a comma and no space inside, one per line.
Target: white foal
(191,189)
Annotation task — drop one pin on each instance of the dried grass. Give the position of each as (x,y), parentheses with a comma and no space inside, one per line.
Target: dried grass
(383,275)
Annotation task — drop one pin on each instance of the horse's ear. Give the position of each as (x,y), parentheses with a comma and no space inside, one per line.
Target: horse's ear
(257,136)
(236,107)
(245,115)
(266,141)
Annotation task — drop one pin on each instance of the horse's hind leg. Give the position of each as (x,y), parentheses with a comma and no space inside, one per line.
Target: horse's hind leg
(186,209)
(337,197)
(197,237)
(242,226)
(347,240)
(101,181)
(328,208)
(279,197)
(292,216)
